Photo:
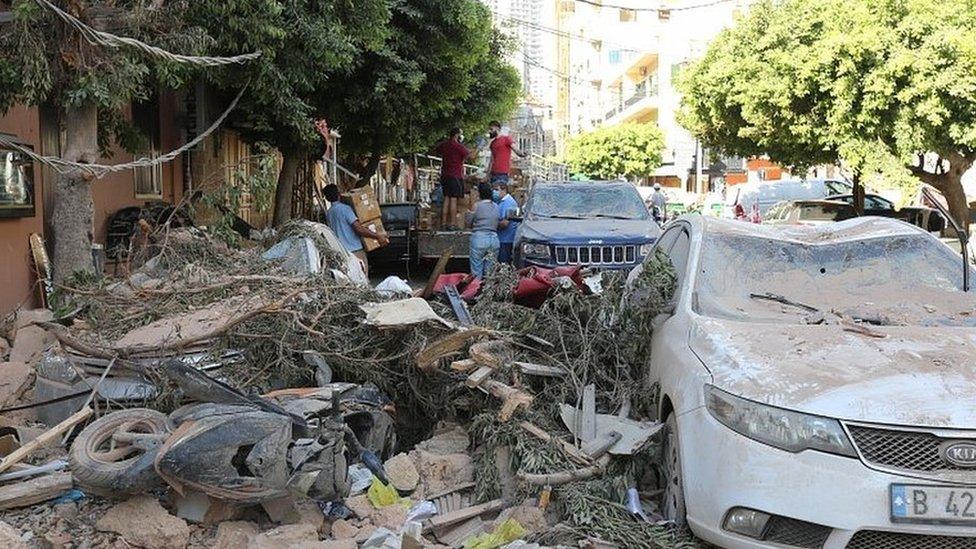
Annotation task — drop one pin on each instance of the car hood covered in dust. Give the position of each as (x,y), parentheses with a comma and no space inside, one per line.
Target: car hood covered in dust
(914,376)
(575,231)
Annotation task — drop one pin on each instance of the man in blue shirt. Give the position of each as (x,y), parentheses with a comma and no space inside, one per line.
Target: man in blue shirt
(343,221)
(506,227)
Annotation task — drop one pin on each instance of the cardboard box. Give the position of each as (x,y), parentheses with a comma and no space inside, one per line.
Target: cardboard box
(375,225)
(364,203)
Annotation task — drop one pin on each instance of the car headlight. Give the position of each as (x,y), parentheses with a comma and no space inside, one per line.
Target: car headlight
(535,250)
(783,429)
(645,249)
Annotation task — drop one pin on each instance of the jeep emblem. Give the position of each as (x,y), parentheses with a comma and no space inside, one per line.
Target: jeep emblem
(960,454)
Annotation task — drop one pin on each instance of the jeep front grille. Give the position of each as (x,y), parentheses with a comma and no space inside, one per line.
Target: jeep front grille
(595,255)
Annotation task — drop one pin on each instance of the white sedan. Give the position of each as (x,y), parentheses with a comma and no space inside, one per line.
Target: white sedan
(818,385)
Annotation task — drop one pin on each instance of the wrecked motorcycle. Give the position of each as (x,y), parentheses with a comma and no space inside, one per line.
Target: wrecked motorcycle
(238,447)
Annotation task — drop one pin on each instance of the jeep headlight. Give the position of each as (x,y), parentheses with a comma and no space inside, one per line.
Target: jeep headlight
(783,429)
(535,251)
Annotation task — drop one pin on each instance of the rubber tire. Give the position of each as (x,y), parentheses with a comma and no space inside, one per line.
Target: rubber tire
(673,499)
(134,475)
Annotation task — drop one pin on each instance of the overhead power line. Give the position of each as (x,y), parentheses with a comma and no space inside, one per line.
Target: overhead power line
(530,60)
(600,4)
(100,170)
(109,40)
(566,34)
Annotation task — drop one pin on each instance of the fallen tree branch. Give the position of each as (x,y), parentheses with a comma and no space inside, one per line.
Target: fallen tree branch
(564,477)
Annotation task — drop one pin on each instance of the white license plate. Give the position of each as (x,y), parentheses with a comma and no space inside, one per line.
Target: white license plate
(933,504)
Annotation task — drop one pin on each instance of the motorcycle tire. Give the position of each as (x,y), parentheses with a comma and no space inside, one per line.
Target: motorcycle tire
(131,470)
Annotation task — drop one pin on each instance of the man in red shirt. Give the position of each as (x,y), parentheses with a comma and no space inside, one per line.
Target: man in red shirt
(453,154)
(502,147)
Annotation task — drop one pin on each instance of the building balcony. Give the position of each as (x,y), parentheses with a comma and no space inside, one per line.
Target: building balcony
(640,105)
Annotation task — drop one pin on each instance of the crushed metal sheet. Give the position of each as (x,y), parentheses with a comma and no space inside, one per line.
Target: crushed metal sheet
(633,434)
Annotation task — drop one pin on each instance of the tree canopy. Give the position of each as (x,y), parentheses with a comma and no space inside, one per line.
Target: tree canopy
(441,66)
(870,83)
(630,150)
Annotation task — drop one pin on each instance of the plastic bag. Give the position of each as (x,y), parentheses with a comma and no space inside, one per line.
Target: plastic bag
(384,495)
(503,534)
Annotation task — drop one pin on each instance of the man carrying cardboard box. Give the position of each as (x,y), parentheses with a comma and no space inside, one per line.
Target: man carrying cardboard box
(343,221)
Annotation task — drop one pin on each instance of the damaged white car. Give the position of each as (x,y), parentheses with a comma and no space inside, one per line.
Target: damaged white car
(818,386)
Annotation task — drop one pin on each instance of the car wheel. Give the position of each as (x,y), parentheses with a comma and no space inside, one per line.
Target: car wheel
(673,504)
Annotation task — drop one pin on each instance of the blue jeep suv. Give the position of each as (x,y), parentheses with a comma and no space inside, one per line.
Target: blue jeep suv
(602,224)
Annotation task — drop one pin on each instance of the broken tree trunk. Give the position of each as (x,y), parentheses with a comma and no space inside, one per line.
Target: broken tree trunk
(563,477)
(290,164)
(71,218)
(512,398)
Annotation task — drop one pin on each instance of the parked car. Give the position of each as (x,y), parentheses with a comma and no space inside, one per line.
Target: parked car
(742,200)
(595,223)
(817,385)
(809,212)
(920,216)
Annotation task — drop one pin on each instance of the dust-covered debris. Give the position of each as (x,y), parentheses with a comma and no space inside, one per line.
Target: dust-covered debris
(462,397)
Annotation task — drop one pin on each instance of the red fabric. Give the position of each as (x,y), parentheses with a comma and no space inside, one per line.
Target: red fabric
(471,290)
(453,154)
(535,282)
(501,154)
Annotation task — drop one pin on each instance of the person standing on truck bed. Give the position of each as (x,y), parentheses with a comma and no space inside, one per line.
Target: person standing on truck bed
(343,221)
(506,227)
(502,147)
(453,154)
(483,221)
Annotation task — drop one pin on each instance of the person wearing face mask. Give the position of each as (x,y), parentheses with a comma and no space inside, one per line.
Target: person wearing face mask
(502,147)
(506,227)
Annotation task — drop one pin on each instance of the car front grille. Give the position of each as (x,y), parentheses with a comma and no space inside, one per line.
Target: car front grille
(872,539)
(907,451)
(595,255)
(795,533)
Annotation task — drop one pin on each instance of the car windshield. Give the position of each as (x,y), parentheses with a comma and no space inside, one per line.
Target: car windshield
(584,201)
(907,280)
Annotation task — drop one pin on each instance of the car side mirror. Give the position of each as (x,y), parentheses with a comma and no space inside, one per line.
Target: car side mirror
(514,215)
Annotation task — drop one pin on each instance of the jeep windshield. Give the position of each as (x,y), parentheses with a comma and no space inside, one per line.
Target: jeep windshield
(586,201)
(898,280)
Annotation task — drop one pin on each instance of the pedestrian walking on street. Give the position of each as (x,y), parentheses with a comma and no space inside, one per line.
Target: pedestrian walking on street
(343,221)
(506,227)
(502,147)
(483,222)
(453,154)
(659,204)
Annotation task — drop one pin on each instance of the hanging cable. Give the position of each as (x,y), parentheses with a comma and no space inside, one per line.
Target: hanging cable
(108,40)
(100,170)
(600,4)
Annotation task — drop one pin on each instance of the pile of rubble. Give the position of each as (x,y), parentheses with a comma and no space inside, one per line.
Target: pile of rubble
(268,396)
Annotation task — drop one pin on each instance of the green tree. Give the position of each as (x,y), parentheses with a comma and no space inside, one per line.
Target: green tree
(46,60)
(441,66)
(874,84)
(305,43)
(629,150)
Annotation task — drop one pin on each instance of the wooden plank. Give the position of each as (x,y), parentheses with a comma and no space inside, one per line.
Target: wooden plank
(587,420)
(48,436)
(461,515)
(478,376)
(30,492)
(429,356)
(437,272)
(465,365)
(571,451)
(540,370)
